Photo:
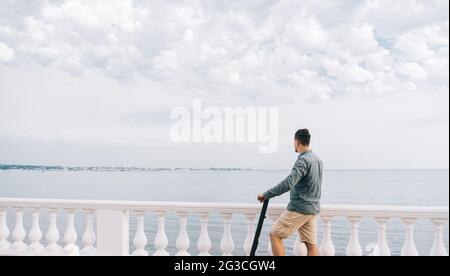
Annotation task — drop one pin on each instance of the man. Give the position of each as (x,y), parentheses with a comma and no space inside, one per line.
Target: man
(304,184)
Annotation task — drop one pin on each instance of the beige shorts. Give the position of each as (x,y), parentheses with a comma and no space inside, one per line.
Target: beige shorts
(291,221)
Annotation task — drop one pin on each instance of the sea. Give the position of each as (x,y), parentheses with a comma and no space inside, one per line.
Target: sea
(353,187)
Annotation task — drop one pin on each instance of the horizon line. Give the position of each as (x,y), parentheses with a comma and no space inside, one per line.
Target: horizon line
(62,167)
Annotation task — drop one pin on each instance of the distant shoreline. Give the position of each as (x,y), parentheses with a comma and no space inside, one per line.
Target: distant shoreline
(15,167)
(6,167)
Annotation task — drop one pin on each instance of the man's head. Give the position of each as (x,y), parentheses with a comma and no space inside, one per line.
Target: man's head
(302,140)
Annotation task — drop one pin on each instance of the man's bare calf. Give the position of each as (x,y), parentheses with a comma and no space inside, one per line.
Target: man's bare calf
(278,247)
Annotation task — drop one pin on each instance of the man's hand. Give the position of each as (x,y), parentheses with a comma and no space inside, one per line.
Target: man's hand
(261,198)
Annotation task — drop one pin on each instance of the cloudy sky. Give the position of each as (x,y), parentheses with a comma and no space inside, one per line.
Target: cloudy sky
(92,82)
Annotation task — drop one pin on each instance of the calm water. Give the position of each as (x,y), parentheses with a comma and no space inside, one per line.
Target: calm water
(418,188)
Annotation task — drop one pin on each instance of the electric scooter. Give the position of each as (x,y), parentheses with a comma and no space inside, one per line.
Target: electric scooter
(262,217)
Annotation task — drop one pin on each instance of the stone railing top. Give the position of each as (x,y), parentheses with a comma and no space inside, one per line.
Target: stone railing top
(216,207)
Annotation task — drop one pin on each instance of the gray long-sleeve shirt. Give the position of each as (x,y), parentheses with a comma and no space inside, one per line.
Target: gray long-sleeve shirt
(304,184)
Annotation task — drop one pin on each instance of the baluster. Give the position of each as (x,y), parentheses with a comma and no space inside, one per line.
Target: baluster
(227,243)
(300,247)
(327,248)
(89,236)
(438,248)
(250,233)
(4,230)
(204,242)
(140,239)
(71,236)
(35,234)
(354,246)
(161,241)
(183,241)
(383,246)
(53,236)
(409,247)
(19,233)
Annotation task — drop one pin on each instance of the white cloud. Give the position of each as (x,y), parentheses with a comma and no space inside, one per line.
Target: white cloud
(6,53)
(200,44)
(347,73)
(99,14)
(413,70)
(292,52)
(361,40)
(414,46)
(305,31)
(394,17)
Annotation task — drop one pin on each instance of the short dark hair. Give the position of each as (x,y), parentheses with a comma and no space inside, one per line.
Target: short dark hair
(303,136)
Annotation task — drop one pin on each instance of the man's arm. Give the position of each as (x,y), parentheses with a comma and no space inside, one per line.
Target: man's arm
(297,173)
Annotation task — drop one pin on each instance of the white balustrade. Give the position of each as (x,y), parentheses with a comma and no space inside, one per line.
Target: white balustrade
(19,233)
(4,230)
(382,243)
(409,247)
(250,233)
(354,246)
(140,239)
(183,241)
(161,240)
(35,234)
(204,242)
(89,235)
(300,247)
(227,243)
(111,236)
(71,236)
(438,248)
(327,247)
(53,234)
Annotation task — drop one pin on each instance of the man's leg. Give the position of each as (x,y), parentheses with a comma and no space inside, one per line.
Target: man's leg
(308,232)
(277,245)
(313,249)
(283,228)
(286,225)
